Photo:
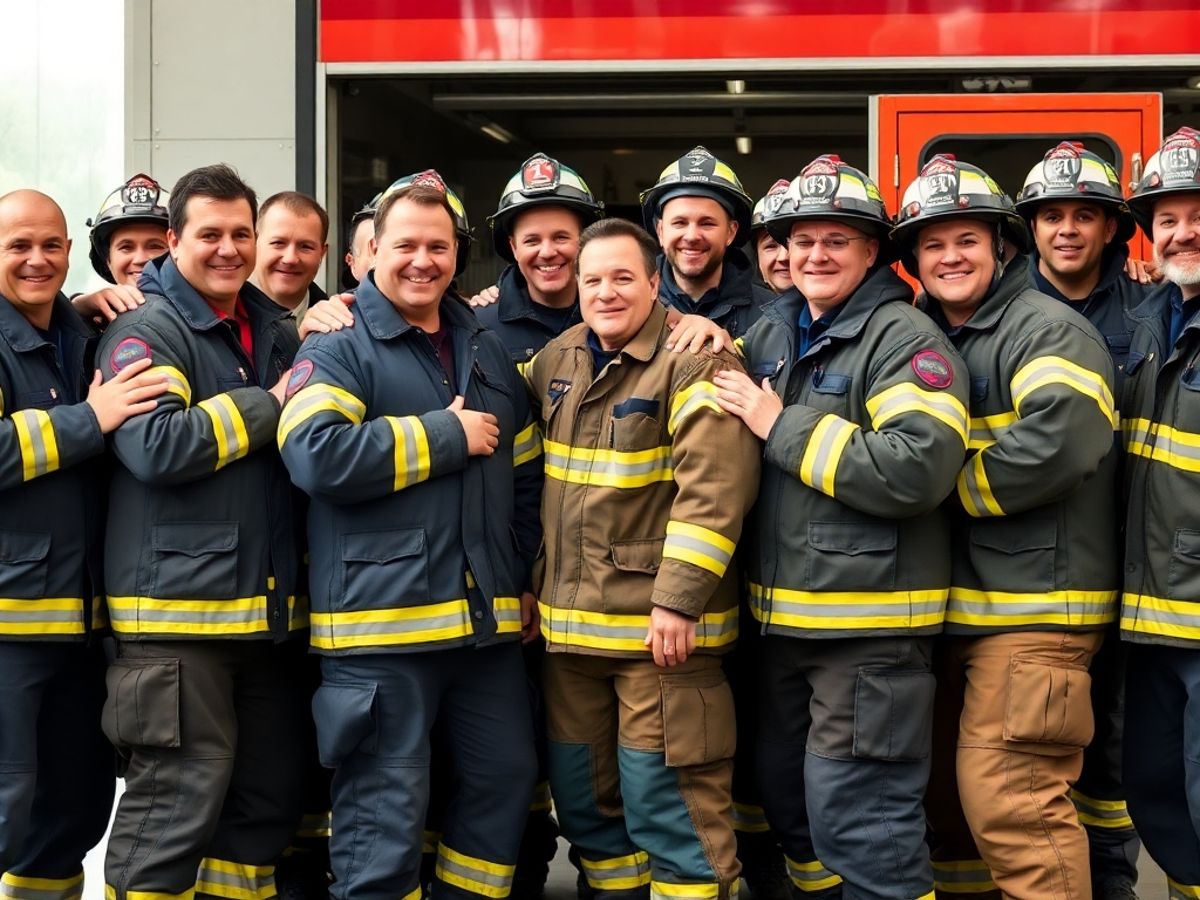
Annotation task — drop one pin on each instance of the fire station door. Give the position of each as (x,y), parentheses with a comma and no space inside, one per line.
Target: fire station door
(1007,134)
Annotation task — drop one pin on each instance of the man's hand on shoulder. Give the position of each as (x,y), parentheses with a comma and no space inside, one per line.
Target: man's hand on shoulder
(692,332)
(106,304)
(328,315)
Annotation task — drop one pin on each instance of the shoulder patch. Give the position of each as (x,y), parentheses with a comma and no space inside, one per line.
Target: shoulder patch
(301,372)
(933,369)
(128,351)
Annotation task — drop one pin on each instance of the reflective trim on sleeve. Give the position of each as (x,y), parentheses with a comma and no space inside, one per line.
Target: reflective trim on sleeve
(739,346)
(235,881)
(818,466)
(110,893)
(430,623)
(668,890)
(177,382)
(1162,443)
(699,546)
(627,634)
(507,611)
(617,873)
(974,491)
(39,446)
(1178,891)
(962,876)
(319,398)
(472,874)
(1142,614)
(1112,814)
(229,428)
(810,876)
(608,468)
(847,610)
(527,445)
(46,615)
(1069,608)
(750,819)
(1048,370)
(907,398)
(701,395)
(23,887)
(153,615)
(986,430)
(412,450)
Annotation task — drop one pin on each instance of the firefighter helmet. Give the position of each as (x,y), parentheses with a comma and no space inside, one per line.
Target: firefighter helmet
(367,212)
(699,174)
(140,200)
(541,181)
(1070,172)
(949,189)
(1174,169)
(771,198)
(431,178)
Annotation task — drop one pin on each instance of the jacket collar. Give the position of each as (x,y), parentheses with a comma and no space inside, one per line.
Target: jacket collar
(385,322)
(881,286)
(734,289)
(516,303)
(23,337)
(161,276)
(642,346)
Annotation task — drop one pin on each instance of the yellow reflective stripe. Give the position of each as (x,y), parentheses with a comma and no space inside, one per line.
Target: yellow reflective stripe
(626,633)
(412,450)
(810,876)
(1162,443)
(523,369)
(45,615)
(527,445)
(1159,616)
(21,887)
(39,446)
(1178,891)
(1067,607)
(617,873)
(110,893)
(699,546)
(318,398)
(1047,370)
(470,873)
(905,398)
(1101,813)
(701,395)
(428,623)
(660,889)
(155,615)
(974,490)
(235,881)
(607,468)
(749,818)
(177,382)
(414,894)
(507,611)
(316,824)
(986,430)
(429,841)
(739,346)
(818,466)
(229,428)
(839,610)
(965,876)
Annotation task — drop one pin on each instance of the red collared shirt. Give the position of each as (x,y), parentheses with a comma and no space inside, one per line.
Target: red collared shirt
(241,326)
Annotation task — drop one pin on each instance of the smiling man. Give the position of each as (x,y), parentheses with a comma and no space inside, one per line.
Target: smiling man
(293,231)
(772,254)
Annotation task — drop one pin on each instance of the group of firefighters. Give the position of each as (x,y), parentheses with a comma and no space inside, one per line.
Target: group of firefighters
(355,586)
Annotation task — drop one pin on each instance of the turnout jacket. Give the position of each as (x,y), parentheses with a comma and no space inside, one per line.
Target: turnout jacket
(1161,602)
(415,546)
(848,538)
(51,482)
(521,323)
(202,541)
(1035,503)
(647,483)
(735,303)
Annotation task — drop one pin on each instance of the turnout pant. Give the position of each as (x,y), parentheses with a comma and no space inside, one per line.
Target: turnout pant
(374,716)
(57,771)
(843,756)
(1012,717)
(640,770)
(1162,760)
(214,788)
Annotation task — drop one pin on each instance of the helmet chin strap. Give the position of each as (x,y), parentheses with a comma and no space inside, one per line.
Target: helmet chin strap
(998,243)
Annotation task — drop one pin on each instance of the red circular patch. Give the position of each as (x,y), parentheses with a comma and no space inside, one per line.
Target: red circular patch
(127,352)
(933,369)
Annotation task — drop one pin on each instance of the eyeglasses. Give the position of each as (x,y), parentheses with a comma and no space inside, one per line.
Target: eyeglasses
(834,242)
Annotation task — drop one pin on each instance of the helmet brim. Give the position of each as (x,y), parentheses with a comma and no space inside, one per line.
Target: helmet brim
(743,209)
(500,222)
(1013,227)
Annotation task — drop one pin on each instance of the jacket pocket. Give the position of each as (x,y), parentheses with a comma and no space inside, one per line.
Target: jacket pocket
(1048,706)
(195,560)
(637,556)
(142,707)
(24,564)
(345,717)
(1015,554)
(384,568)
(851,556)
(893,715)
(1183,575)
(698,718)
(634,431)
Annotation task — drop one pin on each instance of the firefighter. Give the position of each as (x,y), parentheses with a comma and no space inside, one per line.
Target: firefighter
(293,234)
(58,770)
(201,565)
(128,232)
(647,484)
(1073,205)
(771,254)
(1034,559)
(412,434)
(1160,612)
(862,404)
(359,258)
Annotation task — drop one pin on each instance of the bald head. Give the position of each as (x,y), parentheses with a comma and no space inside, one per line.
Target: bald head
(33,253)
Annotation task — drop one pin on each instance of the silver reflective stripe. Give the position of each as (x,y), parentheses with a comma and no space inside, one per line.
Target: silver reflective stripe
(412,463)
(217,410)
(470,873)
(55,615)
(705,548)
(834,610)
(41,457)
(19,887)
(607,467)
(403,626)
(255,881)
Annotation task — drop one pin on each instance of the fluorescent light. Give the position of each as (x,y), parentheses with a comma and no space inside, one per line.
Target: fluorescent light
(743,144)
(1194,82)
(497,133)
(735,86)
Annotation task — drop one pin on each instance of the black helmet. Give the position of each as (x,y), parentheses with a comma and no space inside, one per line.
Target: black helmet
(430,178)
(367,212)
(949,189)
(1174,169)
(140,200)
(699,174)
(1069,172)
(828,188)
(771,198)
(541,181)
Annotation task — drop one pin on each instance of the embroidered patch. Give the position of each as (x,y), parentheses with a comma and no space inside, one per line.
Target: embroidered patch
(933,369)
(127,352)
(556,389)
(301,372)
